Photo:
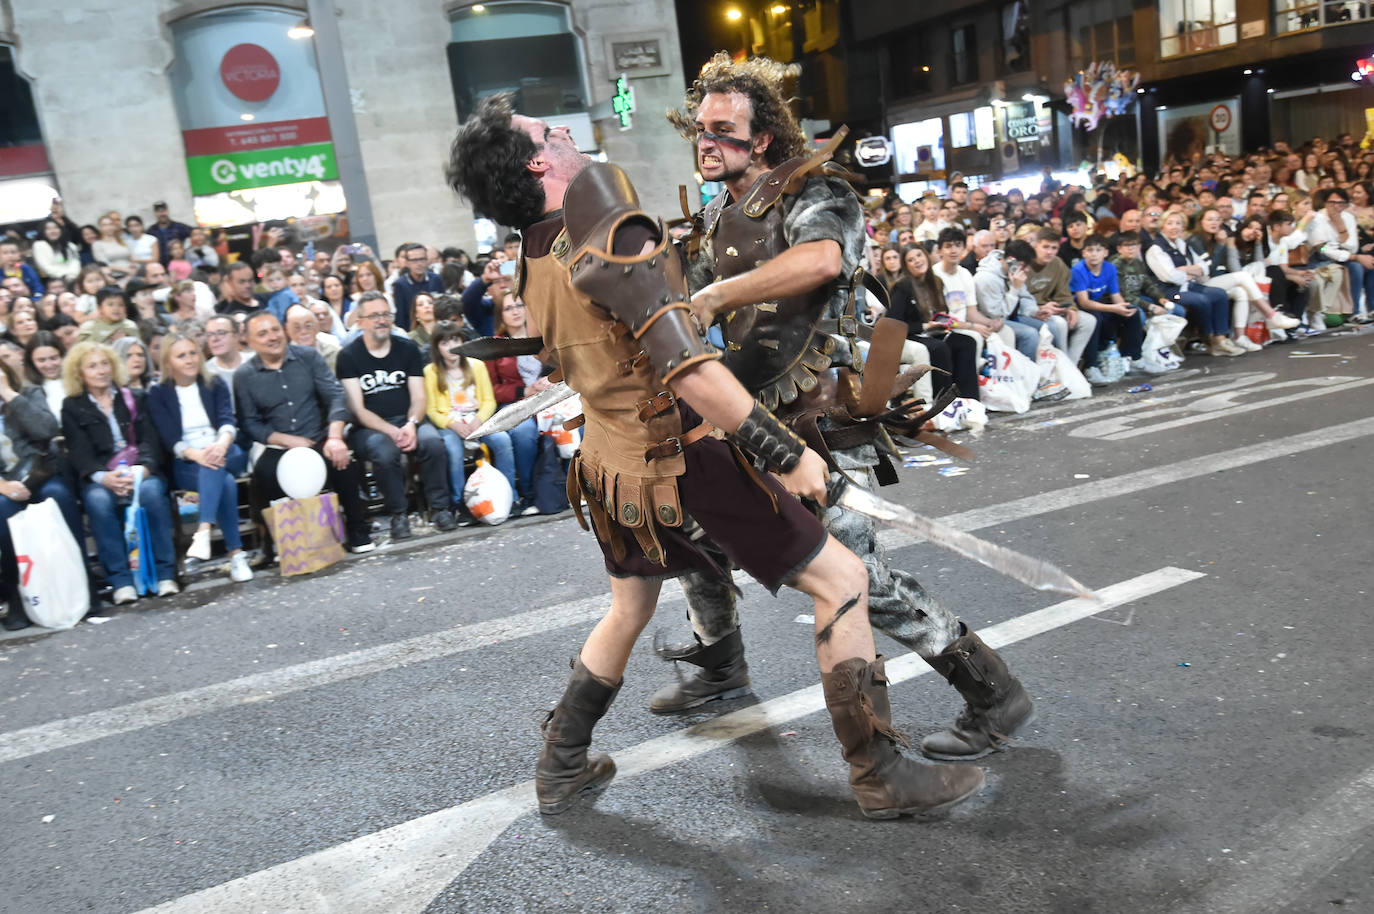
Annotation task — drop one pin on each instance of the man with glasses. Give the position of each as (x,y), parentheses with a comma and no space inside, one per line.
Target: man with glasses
(1149,226)
(383,378)
(413,279)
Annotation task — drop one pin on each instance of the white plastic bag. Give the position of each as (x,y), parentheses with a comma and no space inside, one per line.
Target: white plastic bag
(962,414)
(551,421)
(52,572)
(488,495)
(1011,383)
(1054,365)
(1162,330)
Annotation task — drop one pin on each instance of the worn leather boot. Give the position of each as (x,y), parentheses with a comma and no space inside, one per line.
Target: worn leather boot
(886,783)
(723,674)
(564,770)
(996,704)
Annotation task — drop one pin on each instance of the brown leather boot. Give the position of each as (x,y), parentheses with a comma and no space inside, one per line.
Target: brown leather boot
(996,704)
(564,770)
(723,674)
(886,783)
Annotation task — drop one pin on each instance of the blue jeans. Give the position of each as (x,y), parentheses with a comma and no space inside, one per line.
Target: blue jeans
(502,455)
(106,515)
(1210,305)
(219,495)
(524,439)
(1027,332)
(60,491)
(1110,326)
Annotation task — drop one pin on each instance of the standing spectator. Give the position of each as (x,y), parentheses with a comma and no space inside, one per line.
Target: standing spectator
(195,422)
(286,397)
(111,318)
(479,298)
(109,430)
(166,231)
(414,278)
(143,248)
(12,266)
(459,398)
(383,378)
(55,256)
(27,430)
(236,290)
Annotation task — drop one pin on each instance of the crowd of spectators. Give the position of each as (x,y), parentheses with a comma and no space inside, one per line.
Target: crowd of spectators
(1265,241)
(152,357)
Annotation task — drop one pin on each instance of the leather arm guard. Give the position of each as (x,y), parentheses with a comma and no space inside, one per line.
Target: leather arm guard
(646,292)
(762,435)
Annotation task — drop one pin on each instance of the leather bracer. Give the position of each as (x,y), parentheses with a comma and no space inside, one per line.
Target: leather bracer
(645,291)
(762,435)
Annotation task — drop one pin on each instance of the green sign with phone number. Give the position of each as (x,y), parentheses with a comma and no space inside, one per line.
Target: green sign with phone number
(214,174)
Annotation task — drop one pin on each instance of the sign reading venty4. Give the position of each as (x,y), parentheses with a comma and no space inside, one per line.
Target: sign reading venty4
(213,174)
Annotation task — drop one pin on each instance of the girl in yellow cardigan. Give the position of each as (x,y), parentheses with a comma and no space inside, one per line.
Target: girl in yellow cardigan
(459,398)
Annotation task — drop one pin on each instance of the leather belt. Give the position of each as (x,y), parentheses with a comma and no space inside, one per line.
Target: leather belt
(656,405)
(675,445)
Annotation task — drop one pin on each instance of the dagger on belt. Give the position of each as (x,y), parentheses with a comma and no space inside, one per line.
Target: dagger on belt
(1036,573)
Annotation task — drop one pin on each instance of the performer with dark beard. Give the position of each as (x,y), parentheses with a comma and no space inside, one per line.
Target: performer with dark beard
(769,260)
(607,294)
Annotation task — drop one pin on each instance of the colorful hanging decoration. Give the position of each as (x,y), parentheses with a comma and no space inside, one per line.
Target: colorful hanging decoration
(1100,91)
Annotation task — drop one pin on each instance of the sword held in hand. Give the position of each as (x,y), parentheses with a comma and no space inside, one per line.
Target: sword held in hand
(1036,573)
(508,417)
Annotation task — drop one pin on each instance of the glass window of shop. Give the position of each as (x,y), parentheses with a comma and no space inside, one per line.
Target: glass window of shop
(527,48)
(1298,15)
(27,187)
(1101,30)
(253,120)
(918,148)
(1193,26)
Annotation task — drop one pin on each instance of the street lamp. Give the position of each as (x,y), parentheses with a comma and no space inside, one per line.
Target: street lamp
(300,31)
(733,14)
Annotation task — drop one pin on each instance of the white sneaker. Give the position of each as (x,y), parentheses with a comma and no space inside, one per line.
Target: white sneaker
(1249,345)
(1095,377)
(125,594)
(238,568)
(1281,321)
(200,546)
(167,588)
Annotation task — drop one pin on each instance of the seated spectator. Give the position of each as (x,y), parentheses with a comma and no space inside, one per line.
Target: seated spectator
(514,378)
(928,231)
(280,296)
(23,324)
(1075,230)
(111,318)
(195,422)
(424,321)
(1003,298)
(12,266)
(285,397)
(1095,288)
(236,290)
(1182,280)
(414,278)
(110,248)
(1048,282)
(981,244)
(459,398)
(334,293)
(181,303)
(384,382)
(960,293)
(326,320)
(178,267)
(134,355)
(916,298)
(225,353)
(27,430)
(1214,248)
(367,278)
(891,265)
(54,255)
(88,284)
(1285,259)
(303,330)
(1333,237)
(12,354)
(1137,284)
(43,370)
(109,431)
(479,298)
(200,252)
(143,248)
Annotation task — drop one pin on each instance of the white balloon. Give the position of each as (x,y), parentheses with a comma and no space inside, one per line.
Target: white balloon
(301,472)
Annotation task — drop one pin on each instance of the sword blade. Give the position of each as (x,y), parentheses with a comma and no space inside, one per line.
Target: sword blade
(487,348)
(1036,573)
(508,417)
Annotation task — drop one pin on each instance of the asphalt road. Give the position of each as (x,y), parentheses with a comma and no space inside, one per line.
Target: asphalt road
(364,740)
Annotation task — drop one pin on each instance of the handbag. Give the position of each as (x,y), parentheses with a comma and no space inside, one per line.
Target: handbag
(37,468)
(128,454)
(308,532)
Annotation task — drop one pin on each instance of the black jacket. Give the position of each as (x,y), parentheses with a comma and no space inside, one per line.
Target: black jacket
(30,426)
(90,444)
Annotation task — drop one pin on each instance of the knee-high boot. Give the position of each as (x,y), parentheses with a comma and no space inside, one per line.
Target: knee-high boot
(564,770)
(886,783)
(722,674)
(996,705)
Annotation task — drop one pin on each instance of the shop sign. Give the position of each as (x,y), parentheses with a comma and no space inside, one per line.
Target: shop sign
(1023,124)
(872,151)
(250,72)
(213,174)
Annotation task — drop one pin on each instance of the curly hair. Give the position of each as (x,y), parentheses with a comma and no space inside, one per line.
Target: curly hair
(760,79)
(487,165)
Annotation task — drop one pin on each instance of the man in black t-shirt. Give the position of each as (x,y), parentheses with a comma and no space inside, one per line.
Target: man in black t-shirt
(383,378)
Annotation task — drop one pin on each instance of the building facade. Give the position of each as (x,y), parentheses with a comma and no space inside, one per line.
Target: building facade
(219,107)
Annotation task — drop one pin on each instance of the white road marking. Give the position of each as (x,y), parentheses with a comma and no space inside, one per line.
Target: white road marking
(164,709)
(1141,480)
(1298,853)
(400,870)
(1173,391)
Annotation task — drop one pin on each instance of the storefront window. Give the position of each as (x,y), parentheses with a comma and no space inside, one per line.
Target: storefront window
(252,116)
(1296,15)
(919,148)
(26,181)
(1192,26)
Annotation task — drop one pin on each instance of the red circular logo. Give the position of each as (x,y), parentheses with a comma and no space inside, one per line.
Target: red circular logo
(250,72)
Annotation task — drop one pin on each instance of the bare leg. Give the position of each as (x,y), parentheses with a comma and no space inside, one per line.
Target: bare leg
(837,582)
(607,650)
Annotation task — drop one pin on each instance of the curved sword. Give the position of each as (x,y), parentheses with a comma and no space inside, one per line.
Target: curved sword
(508,417)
